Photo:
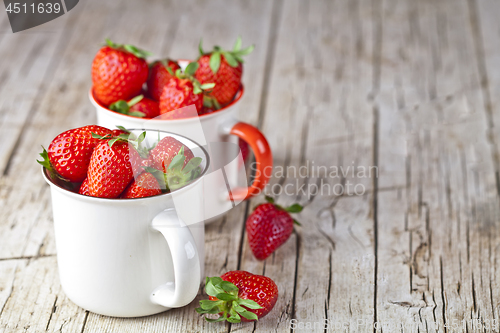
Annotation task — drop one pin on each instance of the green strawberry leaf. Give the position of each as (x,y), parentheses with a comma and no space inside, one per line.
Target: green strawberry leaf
(296,222)
(110,43)
(169,70)
(177,162)
(245,51)
(135,100)
(97,136)
(136,51)
(249,303)
(192,164)
(295,208)
(207,86)
(200,47)
(120,106)
(112,142)
(196,89)
(237,44)
(230,59)
(226,297)
(215,62)
(137,114)
(207,304)
(141,137)
(228,286)
(212,289)
(234,317)
(191,68)
(122,128)
(239,58)
(45,160)
(269,199)
(249,315)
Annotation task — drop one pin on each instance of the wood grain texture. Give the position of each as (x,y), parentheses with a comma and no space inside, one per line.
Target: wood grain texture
(406,91)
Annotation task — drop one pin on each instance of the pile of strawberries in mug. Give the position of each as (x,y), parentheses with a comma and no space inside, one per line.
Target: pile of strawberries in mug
(124,82)
(115,164)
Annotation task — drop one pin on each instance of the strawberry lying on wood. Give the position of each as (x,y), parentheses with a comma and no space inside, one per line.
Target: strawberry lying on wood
(269,226)
(239,296)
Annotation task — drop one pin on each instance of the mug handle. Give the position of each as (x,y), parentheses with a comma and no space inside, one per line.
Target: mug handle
(186,262)
(263,157)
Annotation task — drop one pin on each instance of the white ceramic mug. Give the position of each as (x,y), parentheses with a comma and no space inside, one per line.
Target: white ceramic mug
(219,132)
(131,257)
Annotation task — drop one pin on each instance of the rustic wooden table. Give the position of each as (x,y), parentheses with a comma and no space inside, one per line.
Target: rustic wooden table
(408,90)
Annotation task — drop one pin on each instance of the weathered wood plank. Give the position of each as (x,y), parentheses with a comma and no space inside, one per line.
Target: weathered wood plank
(318,91)
(33,300)
(433,135)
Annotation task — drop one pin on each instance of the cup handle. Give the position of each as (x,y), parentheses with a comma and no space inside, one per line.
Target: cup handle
(186,262)
(263,157)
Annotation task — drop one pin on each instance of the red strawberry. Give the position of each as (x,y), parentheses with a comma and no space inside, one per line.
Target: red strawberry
(138,106)
(69,153)
(118,72)
(183,90)
(239,296)
(177,164)
(244,149)
(177,94)
(111,168)
(84,188)
(269,226)
(224,68)
(143,186)
(162,154)
(159,76)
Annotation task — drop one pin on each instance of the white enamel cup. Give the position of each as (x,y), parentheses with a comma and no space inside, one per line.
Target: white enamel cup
(218,132)
(131,257)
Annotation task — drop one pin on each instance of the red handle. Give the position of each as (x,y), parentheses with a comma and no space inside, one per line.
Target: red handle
(263,158)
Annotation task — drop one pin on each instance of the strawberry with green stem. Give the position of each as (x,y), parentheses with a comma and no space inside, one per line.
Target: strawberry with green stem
(269,226)
(118,72)
(239,296)
(113,164)
(178,173)
(160,72)
(225,69)
(181,91)
(68,155)
(138,106)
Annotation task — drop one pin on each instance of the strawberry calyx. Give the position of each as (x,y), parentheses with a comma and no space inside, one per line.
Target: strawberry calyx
(139,53)
(226,303)
(134,141)
(45,162)
(233,58)
(177,176)
(295,208)
(123,107)
(188,73)
(211,102)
